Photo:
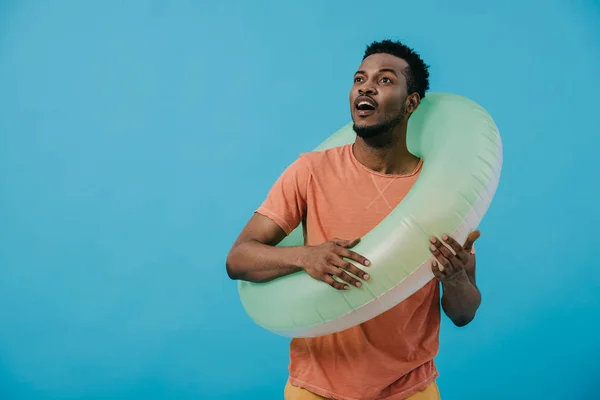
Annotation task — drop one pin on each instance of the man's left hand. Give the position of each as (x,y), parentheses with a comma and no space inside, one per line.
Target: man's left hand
(450,266)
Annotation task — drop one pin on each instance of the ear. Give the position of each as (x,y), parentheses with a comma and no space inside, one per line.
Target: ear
(413,102)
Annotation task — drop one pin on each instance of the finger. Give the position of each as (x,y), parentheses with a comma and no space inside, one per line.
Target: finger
(344,276)
(354,256)
(435,241)
(346,242)
(458,252)
(437,270)
(440,257)
(473,236)
(337,241)
(335,284)
(449,256)
(455,246)
(350,243)
(345,265)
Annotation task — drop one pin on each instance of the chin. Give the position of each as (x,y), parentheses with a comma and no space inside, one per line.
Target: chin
(362,125)
(367,131)
(365,123)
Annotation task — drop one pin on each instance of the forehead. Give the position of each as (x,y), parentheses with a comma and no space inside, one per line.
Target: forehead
(375,62)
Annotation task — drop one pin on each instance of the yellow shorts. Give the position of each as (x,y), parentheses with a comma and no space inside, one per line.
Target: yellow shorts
(431,392)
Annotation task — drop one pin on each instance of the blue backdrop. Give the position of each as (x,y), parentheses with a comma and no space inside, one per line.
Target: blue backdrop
(136,139)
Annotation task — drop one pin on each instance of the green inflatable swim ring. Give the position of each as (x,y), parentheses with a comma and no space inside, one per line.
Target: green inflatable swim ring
(462,160)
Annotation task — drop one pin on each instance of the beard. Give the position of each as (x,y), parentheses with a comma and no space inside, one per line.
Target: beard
(374,133)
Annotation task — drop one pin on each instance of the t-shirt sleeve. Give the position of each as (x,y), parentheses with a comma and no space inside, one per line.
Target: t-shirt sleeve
(285,203)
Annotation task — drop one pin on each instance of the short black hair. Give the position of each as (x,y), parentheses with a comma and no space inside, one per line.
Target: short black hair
(417,73)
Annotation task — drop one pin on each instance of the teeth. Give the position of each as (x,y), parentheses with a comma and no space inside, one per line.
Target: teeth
(362,103)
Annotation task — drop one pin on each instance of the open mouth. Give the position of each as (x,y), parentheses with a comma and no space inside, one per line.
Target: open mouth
(365,106)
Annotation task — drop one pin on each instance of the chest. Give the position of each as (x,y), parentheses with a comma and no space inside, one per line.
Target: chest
(351,203)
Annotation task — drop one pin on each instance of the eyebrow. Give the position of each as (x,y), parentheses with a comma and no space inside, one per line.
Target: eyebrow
(381,70)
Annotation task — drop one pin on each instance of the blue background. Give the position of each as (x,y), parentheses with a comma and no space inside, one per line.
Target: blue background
(136,139)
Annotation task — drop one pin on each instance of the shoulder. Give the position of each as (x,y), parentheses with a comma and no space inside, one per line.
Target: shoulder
(325,160)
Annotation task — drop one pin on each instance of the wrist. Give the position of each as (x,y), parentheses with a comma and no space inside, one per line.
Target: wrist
(458,279)
(298,256)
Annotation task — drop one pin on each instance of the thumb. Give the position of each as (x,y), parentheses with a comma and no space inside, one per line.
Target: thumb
(473,236)
(347,242)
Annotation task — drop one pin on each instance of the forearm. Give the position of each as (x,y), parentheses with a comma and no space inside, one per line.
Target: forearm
(257,262)
(461,299)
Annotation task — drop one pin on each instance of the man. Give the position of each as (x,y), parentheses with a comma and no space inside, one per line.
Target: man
(339,195)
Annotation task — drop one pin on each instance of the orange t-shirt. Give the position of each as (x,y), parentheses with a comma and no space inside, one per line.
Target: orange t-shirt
(390,356)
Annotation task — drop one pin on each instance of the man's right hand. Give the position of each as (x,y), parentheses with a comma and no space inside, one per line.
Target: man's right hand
(326,260)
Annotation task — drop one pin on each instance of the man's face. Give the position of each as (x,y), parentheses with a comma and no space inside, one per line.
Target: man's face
(378,96)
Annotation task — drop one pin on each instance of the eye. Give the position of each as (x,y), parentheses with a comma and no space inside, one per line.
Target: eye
(386,80)
(357,79)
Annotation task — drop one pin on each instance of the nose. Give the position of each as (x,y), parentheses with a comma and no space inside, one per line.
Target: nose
(366,90)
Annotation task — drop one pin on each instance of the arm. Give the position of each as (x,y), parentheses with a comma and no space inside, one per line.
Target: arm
(461,297)
(254,256)
(456,272)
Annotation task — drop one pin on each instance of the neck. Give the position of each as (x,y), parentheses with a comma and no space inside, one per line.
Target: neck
(386,153)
